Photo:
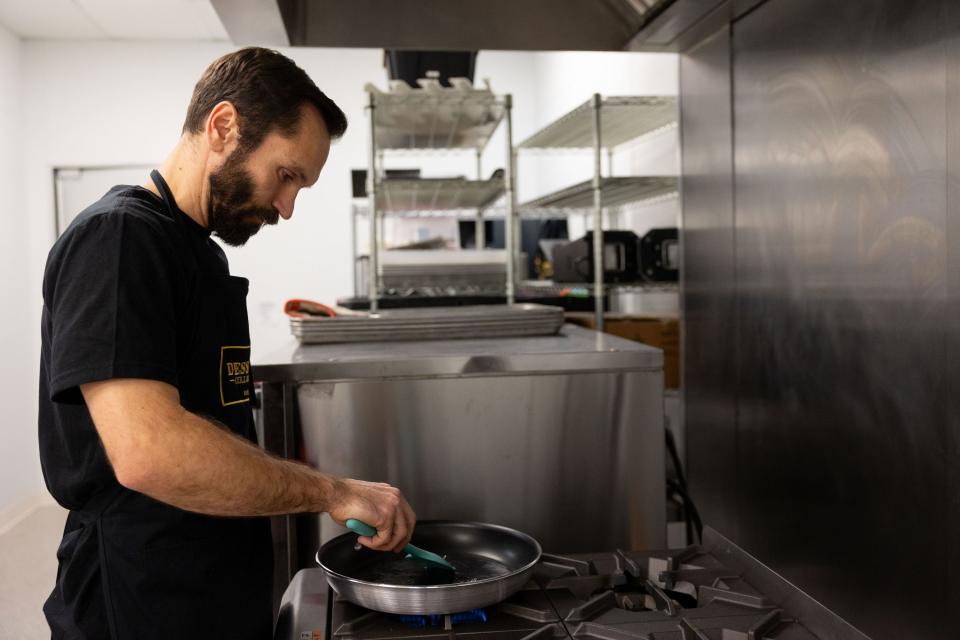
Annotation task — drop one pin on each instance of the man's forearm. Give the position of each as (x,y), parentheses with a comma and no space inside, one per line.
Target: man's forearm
(198,465)
(160,449)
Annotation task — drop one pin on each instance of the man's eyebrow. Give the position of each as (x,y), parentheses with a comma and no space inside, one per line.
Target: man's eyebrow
(297,169)
(300,172)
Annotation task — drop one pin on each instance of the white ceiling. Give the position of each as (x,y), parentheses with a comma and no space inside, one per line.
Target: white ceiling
(112,19)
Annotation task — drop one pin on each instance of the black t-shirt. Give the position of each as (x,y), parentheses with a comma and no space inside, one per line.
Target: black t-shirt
(136,289)
(116,304)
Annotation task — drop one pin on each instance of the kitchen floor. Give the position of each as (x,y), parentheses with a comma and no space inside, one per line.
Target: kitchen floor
(28,567)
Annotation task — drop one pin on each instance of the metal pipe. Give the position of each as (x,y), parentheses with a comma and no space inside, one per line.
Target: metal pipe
(480,233)
(597,216)
(373,284)
(510,198)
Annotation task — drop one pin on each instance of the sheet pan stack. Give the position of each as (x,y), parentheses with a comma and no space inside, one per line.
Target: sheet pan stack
(434,323)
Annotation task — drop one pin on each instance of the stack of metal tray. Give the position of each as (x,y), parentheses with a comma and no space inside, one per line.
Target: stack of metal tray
(435,323)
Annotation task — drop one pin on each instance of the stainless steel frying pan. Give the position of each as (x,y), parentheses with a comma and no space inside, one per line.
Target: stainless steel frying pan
(492,563)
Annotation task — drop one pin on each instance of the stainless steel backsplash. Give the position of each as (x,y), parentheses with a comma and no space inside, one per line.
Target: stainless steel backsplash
(821,236)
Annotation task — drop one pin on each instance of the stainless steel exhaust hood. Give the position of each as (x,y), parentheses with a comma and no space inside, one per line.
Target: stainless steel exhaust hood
(569,25)
(466,24)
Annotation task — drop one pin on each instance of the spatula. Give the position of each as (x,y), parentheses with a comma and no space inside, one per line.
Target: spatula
(363,529)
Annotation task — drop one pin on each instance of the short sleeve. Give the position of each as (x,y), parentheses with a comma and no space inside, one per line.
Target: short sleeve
(110,292)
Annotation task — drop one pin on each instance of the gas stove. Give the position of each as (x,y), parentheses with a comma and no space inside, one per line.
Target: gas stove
(712,591)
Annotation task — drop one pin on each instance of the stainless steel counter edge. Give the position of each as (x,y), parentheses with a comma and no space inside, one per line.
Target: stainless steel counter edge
(573,350)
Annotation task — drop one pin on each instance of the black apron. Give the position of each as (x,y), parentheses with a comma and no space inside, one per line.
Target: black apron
(134,568)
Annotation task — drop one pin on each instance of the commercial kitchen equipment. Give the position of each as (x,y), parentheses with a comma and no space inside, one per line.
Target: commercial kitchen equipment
(560,437)
(598,124)
(821,252)
(490,563)
(660,255)
(434,118)
(627,257)
(712,591)
(479,272)
(573,261)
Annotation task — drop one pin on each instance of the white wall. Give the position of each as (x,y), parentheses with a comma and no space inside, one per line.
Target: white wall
(19,467)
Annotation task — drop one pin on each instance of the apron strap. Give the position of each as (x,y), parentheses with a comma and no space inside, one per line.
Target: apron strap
(175,211)
(90,517)
(164,190)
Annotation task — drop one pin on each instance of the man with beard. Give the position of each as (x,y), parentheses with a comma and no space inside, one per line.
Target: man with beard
(145,426)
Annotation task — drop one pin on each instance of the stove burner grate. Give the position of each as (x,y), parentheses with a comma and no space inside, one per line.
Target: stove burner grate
(473,616)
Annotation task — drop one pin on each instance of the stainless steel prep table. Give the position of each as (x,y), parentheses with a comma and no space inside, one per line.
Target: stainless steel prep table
(560,437)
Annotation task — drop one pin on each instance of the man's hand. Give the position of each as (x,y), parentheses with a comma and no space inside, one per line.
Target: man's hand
(379,505)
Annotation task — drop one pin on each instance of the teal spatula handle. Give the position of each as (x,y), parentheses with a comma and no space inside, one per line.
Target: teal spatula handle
(363,529)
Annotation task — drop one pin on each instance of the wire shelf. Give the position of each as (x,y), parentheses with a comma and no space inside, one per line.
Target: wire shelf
(438,194)
(614,192)
(435,117)
(622,118)
(492,212)
(632,287)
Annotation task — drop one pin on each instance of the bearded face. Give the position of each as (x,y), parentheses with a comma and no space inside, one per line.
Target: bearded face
(233,215)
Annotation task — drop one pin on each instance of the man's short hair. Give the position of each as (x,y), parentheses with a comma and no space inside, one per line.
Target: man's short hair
(267,88)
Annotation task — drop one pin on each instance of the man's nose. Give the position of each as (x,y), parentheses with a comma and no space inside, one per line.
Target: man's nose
(284,205)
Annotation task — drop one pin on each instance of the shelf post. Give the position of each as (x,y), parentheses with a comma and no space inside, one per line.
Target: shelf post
(597,215)
(353,248)
(613,217)
(509,225)
(373,272)
(480,236)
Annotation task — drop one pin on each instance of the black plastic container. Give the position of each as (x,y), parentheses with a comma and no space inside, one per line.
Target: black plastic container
(410,66)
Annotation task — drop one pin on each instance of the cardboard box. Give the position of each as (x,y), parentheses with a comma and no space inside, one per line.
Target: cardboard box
(656,331)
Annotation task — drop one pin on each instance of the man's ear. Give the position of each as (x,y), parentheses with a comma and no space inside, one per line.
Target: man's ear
(223,129)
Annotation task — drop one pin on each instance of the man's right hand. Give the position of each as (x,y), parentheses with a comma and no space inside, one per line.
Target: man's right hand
(381,506)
